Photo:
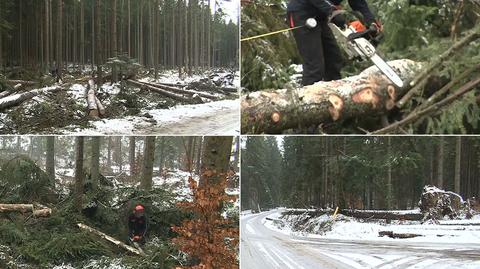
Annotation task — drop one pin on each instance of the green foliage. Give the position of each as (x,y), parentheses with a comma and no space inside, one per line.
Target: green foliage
(25,182)
(12,233)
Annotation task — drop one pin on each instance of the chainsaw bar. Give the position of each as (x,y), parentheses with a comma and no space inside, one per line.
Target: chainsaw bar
(361,47)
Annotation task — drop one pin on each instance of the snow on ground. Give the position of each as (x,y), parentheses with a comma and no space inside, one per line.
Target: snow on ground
(164,117)
(450,231)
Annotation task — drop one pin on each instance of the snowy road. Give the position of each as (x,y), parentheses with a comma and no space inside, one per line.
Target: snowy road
(263,248)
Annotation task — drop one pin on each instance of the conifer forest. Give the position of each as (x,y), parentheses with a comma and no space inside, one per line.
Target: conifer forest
(66,202)
(360,201)
(86,65)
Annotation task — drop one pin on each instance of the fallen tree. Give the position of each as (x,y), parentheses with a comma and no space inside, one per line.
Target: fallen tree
(362,214)
(111,239)
(367,94)
(95,107)
(18,98)
(25,208)
(182,91)
(392,234)
(163,92)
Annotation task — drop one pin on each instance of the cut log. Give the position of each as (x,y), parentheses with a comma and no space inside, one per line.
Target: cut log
(101,108)
(366,94)
(163,92)
(18,98)
(23,82)
(182,91)
(25,208)
(92,100)
(110,239)
(391,234)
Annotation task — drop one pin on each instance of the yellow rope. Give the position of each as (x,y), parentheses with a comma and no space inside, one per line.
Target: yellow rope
(271,33)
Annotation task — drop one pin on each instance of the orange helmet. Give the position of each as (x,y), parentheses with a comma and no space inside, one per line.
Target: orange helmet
(139,208)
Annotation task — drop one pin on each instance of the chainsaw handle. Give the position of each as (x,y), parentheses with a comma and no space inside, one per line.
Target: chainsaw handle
(356,35)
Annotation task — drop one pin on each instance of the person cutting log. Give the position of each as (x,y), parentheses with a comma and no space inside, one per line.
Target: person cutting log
(322,60)
(137,225)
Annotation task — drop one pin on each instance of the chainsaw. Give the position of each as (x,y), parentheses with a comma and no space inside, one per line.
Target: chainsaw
(357,45)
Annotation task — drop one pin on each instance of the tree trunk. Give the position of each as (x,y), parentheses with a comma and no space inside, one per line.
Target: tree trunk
(216,157)
(458,163)
(165,93)
(79,175)
(50,158)
(17,99)
(98,44)
(148,158)
(131,156)
(25,208)
(368,93)
(441,147)
(95,161)
(59,37)
(114,38)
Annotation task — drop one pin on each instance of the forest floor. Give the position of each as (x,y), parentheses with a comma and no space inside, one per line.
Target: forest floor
(56,242)
(267,241)
(130,110)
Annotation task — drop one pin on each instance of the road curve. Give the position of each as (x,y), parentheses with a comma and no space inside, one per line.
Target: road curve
(261,248)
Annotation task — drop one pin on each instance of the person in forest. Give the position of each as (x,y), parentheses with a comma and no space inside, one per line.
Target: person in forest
(322,60)
(137,224)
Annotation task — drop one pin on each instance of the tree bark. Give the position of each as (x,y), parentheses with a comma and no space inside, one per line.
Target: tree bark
(148,158)
(131,156)
(25,208)
(441,154)
(50,158)
(215,158)
(369,93)
(18,98)
(95,160)
(79,175)
(164,92)
(458,163)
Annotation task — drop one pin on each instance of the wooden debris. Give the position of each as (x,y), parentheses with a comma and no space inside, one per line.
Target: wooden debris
(391,234)
(25,208)
(110,239)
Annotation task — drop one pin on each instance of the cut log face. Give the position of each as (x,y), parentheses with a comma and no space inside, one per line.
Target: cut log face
(369,93)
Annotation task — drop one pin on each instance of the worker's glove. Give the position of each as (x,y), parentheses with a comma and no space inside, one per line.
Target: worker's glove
(136,238)
(376,27)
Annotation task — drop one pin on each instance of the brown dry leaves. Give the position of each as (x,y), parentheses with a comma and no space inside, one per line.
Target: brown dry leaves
(209,237)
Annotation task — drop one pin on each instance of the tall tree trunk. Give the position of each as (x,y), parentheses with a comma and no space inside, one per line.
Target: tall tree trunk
(458,163)
(95,161)
(114,37)
(389,173)
(148,158)
(50,158)
(59,37)
(79,175)
(216,157)
(109,153)
(441,148)
(131,155)
(98,44)
(82,33)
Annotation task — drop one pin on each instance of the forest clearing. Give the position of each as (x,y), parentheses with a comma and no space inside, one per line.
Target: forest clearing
(67,202)
(432,47)
(360,202)
(118,67)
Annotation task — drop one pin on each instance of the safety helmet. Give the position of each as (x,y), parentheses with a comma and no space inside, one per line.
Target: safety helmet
(139,208)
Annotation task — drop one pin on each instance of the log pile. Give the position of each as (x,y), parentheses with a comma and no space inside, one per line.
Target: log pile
(368,94)
(363,214)
(166,93)
(26,208)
